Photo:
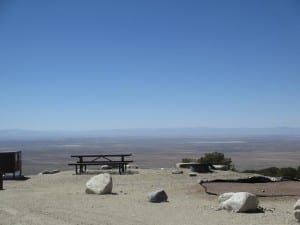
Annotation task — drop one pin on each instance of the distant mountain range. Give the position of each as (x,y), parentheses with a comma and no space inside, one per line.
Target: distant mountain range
(155,132)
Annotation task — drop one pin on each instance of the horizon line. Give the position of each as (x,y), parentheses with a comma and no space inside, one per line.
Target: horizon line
(141,128)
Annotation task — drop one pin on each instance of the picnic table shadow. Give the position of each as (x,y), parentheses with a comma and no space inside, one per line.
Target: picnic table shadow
(16,178)
(110,171)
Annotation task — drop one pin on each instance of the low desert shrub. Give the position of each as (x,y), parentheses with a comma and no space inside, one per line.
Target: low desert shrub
(216,158)
(188,160)
(285,172)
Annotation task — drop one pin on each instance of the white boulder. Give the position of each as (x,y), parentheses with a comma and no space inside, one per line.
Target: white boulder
(297,210)
(225,196)
(239,202)
(100,184)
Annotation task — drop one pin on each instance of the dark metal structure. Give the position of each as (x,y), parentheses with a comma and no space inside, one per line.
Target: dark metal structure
(11,162)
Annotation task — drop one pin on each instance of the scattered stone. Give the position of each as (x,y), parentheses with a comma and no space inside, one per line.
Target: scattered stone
(100,184)
(192,174)
(49,172)
(176,171)
(276,179)
(158,196)
(239,202)
(220,167)
(105,167)
(297,210)
(130,166)
(203,180)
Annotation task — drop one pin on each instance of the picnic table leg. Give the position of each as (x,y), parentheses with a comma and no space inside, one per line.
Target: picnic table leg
(120,169)
(123,164)
(1,180)
(81,166)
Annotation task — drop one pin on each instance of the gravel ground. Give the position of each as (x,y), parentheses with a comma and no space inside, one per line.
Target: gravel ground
(61,199)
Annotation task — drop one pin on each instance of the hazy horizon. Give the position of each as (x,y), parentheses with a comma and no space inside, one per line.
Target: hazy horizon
(150,132)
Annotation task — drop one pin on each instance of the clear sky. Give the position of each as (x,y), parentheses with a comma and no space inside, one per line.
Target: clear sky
(81,65)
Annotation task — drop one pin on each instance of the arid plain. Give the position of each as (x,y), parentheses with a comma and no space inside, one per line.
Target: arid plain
(247,152)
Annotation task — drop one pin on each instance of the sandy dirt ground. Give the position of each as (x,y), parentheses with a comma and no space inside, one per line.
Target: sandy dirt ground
(61,199)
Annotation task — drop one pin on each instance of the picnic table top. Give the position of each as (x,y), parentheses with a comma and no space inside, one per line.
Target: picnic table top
(101,155)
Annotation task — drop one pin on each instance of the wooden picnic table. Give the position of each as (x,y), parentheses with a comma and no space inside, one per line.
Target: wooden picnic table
(100,159)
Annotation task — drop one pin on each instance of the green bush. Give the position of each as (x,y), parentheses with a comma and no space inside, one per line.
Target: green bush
(286,172)
(271,171)
(188,160)
(212,158)
(216,158)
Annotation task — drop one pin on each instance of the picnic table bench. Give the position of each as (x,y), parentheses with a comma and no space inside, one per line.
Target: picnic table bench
(114,160)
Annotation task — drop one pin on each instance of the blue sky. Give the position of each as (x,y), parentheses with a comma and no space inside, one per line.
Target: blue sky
(82,65)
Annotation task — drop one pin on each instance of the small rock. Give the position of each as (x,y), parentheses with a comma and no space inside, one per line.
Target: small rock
(192,174)
(105,167)
(49,172)
(100,184)
(220,167)
(130,166)
(158,196)
(177,172)
(202,180)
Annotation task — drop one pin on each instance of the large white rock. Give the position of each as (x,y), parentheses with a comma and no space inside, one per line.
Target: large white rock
(297,210)
(100,184)
(225,196)
(239,202)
